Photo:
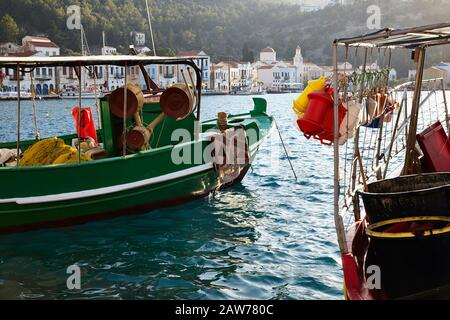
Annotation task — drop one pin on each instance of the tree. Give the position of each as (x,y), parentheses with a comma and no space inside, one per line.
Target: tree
(9,31)
(247,55)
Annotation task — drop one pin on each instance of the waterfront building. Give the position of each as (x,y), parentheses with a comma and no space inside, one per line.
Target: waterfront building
(202,60)
(274,74)
(45,79)
(220,77)
(315,5)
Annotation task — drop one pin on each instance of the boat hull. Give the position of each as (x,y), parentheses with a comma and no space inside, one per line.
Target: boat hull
(53,196)
(24,217)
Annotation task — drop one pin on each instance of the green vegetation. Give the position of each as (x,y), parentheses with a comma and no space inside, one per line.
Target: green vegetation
(9,31)
(231,29)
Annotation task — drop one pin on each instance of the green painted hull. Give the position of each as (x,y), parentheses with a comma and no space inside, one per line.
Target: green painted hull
(36,197)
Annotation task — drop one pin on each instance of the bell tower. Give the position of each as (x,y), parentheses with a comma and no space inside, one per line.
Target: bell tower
(298,63)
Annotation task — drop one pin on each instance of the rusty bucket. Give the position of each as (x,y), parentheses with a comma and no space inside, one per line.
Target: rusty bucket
(135,101)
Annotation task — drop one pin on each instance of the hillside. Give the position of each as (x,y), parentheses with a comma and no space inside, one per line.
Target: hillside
(221,28)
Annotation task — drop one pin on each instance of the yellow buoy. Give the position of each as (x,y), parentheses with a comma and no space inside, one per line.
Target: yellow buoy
(301,104)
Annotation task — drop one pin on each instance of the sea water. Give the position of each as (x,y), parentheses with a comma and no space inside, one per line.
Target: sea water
(271,237)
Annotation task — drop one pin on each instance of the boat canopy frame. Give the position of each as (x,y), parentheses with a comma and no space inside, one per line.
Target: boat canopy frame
(409,38)
(77,62)
(119,60)
(417,39)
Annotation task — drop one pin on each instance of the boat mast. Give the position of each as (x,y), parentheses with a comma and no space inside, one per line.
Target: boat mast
(151,29)
(153,45)
(419,57)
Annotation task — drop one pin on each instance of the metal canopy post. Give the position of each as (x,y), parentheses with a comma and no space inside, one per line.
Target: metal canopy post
(80,84)
(125,107)
(18,115)
(411,142)
(447,119)
(337,189)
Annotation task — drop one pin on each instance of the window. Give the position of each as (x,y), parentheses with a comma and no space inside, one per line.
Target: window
(112,70)
(38,71)
(44,72)
(64,71)
(50,72)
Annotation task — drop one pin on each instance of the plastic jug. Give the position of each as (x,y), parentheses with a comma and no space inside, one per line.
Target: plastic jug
(301,104)
(351,120)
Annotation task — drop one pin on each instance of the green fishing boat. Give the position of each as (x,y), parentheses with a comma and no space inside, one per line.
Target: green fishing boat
(156,153)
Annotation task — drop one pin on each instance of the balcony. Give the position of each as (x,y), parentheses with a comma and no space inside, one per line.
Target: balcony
(119,76)
(43,78)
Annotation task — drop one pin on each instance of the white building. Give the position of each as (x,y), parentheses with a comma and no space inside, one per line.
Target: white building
(202,60)
(393,75)
(268,55)
(108,51)
(284,75)
(274,74)
(315,5)
(220,77)
(40,44)
(7,48)
(45,79)
(168,76)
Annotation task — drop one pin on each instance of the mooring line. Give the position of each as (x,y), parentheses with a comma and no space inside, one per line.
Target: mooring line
(285,149)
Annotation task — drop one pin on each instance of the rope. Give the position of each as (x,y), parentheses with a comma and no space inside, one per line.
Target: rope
(285,149)
(33,104)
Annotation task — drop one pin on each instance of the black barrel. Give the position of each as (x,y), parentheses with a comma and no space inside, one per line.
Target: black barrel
(411,264)
(408,196)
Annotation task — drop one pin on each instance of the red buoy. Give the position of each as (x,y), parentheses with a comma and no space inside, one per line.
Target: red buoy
(320,103)
(326,137)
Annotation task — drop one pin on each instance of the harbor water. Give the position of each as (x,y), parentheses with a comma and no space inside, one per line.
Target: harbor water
(271,237)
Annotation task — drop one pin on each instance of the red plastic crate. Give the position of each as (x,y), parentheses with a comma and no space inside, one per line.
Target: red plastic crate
(435,146)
